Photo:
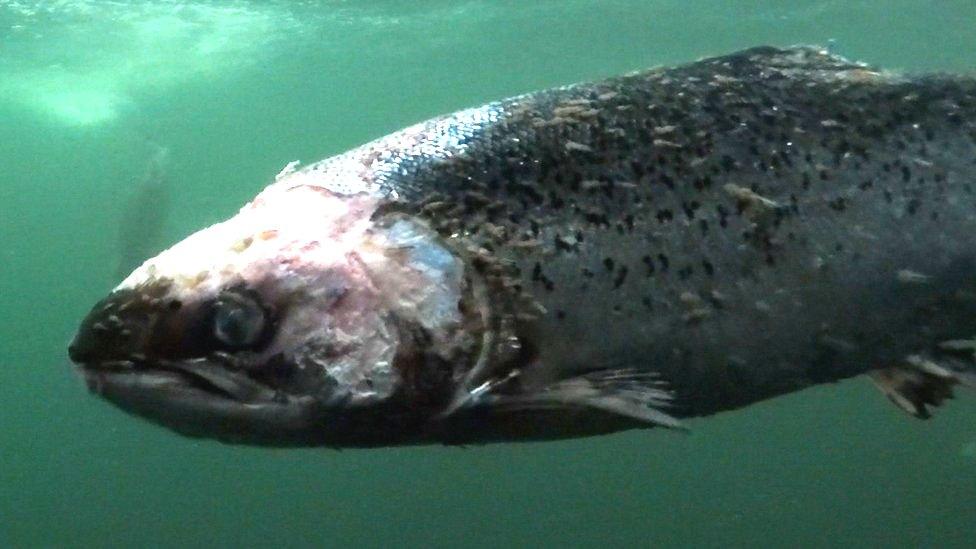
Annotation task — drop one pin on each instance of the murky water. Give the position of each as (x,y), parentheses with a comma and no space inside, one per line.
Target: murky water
(91,91)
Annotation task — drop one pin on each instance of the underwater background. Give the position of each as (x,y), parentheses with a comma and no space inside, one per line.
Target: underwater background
(126,125)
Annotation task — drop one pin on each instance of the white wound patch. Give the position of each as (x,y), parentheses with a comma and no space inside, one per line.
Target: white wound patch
(418,277)
(282,228)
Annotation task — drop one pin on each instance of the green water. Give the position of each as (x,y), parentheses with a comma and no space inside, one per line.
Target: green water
(234,91)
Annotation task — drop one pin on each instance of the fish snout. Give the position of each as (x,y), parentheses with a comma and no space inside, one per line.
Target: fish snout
(114,330)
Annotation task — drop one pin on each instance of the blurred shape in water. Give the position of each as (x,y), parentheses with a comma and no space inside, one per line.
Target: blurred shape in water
(145,212)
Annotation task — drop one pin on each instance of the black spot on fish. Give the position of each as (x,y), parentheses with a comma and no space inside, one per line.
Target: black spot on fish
(595,217)
(556,201)
(728,163)
(649,263)
(548,284)
(913,206)
(621,277)
(667,180)
(723,216)
(703,225)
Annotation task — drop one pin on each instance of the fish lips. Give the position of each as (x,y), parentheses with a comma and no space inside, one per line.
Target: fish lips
(203,398)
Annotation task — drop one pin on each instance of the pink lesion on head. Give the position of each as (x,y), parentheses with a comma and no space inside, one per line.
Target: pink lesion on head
(307,209)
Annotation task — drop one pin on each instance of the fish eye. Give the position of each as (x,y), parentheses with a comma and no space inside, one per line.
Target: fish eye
(238,320)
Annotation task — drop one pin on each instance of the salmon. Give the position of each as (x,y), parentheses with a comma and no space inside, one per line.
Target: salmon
(621,254)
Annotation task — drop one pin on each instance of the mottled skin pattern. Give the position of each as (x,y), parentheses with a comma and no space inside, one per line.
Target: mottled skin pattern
(666,244)
(612,202)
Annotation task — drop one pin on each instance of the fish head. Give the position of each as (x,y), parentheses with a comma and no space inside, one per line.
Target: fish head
(307,318)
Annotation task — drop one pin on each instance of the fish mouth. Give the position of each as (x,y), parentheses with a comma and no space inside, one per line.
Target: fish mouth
(202,377)
(202,398)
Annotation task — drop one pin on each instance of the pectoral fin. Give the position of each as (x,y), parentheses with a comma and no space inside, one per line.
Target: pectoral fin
(637,395)
(921,383)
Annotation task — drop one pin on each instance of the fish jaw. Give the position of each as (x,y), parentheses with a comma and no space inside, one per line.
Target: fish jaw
(350,312)
(182,403)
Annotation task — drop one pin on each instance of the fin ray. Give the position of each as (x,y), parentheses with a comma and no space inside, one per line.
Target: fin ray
(627,392)
(921,383)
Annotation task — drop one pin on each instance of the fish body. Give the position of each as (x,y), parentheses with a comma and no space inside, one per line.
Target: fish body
(604,256)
